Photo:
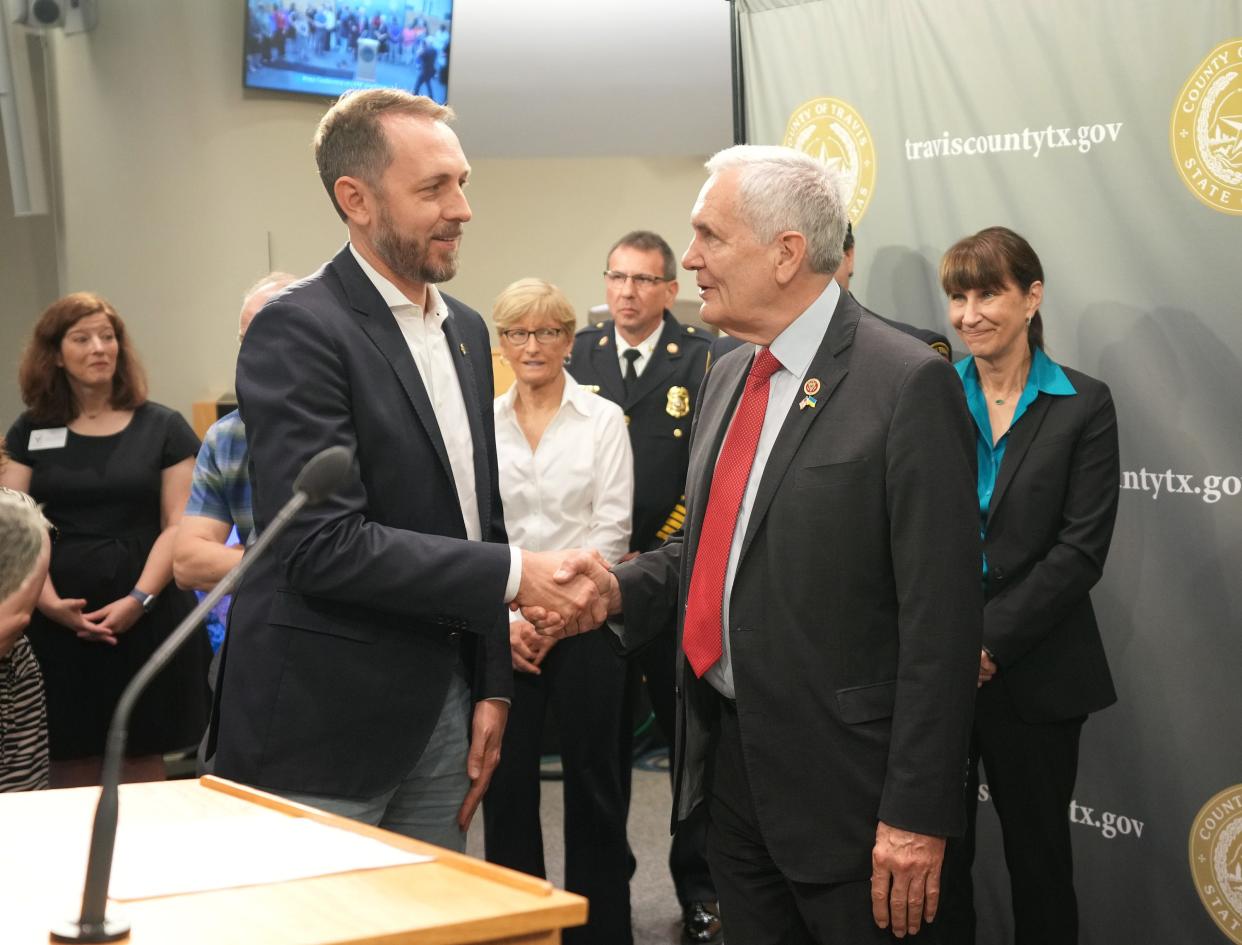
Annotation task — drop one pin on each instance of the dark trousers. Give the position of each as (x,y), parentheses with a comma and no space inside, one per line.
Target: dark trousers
(582,683)
(687,857)
(1031,768)
(758,904)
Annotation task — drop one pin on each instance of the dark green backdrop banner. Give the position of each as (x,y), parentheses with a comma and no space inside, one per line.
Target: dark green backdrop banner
(1109,133)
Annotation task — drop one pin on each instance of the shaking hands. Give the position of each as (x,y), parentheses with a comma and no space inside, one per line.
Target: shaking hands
(565,593)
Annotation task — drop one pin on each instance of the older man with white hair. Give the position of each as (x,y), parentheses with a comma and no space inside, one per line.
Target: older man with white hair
(825,586)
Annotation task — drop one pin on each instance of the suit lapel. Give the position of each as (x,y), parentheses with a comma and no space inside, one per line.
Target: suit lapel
(470,393)
(1021,435)
(829,366)
(381,327)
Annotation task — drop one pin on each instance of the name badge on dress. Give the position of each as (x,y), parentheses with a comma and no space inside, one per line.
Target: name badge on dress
(50,439)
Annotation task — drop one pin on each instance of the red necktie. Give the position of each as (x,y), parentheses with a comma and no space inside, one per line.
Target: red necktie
(701,637)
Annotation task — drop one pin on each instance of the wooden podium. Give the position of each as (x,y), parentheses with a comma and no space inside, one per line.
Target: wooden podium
(455,899)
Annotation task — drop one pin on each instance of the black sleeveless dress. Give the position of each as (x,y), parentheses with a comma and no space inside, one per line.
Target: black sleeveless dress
(103,495)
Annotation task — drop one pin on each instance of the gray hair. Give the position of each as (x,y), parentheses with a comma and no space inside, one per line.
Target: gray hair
(646,241)
(22,527)
(272,282)
(783,189)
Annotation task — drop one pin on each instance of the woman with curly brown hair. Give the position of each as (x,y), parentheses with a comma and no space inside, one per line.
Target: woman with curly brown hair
(113,473)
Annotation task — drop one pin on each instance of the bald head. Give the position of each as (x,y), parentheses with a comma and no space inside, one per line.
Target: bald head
(258,295)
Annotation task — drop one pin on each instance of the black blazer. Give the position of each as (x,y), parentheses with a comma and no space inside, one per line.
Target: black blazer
(856,608)
(342,642)
(1050,522)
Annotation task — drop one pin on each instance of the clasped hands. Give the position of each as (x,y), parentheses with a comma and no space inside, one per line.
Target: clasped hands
(563,593)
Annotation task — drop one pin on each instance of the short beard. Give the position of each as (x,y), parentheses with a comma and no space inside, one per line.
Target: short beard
(409,257)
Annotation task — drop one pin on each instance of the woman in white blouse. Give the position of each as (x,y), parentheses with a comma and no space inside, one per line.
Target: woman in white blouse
(567,481)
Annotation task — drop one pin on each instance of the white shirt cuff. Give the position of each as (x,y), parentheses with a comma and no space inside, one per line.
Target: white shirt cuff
(515,573)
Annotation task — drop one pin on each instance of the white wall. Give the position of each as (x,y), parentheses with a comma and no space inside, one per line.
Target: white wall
(28,270)
(178,189)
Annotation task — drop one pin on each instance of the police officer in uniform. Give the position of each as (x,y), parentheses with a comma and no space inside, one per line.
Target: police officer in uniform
(651,365)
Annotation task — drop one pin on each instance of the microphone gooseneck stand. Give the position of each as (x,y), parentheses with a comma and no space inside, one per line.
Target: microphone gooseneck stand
(318,479)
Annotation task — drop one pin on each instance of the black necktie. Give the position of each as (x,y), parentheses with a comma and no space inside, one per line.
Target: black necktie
(631,375)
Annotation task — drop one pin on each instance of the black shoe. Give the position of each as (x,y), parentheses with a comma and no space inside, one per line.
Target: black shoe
(700,924)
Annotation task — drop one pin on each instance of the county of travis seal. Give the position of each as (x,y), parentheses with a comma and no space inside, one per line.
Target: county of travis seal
(831,130)
(1216,860)
(1206,129)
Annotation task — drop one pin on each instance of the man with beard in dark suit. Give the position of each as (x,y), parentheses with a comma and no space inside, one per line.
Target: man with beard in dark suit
(367,668)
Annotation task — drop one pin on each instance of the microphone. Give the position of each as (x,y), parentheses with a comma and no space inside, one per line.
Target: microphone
(319,478)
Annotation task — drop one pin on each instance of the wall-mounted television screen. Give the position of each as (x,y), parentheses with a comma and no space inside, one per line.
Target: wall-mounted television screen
(322,47)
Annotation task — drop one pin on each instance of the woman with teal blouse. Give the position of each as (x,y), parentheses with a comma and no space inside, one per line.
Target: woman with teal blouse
(1048,479)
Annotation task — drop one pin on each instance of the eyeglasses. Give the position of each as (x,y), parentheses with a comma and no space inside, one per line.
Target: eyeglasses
(641,279)
(518,336)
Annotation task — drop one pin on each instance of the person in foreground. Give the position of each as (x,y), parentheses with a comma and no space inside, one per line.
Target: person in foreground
(567,481)
(113,472)
(25,550)
(825,588)
(367,666)
(1048,481)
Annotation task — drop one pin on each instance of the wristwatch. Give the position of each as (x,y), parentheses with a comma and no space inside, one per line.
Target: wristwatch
(147,600)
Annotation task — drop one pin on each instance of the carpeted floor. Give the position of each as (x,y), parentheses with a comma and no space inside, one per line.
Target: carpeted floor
(656,915)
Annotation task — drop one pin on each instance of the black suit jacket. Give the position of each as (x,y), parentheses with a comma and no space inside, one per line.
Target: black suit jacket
(342,642)
(855,612)
(658,414)
(1050,521)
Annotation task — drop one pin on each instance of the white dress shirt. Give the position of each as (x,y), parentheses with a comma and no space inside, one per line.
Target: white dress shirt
(576,489)
(644,349)
(794,348)
(424,334)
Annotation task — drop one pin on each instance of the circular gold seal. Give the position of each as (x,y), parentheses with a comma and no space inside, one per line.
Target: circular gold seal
(1206,129)
(1216,860)
(831,130)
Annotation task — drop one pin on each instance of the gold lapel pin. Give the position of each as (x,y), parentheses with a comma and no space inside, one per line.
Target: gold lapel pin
(603,342)
(811,387)
(672,348)
(462,346)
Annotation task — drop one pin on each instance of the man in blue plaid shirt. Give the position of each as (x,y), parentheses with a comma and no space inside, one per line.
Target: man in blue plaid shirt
(218,519)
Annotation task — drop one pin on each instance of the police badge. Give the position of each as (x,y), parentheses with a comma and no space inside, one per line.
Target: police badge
(678,402)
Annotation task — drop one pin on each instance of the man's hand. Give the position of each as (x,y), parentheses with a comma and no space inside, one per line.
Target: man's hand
(591,564)
(987,668)
(487,730)
(528,646)
(905,879)
(565,605)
